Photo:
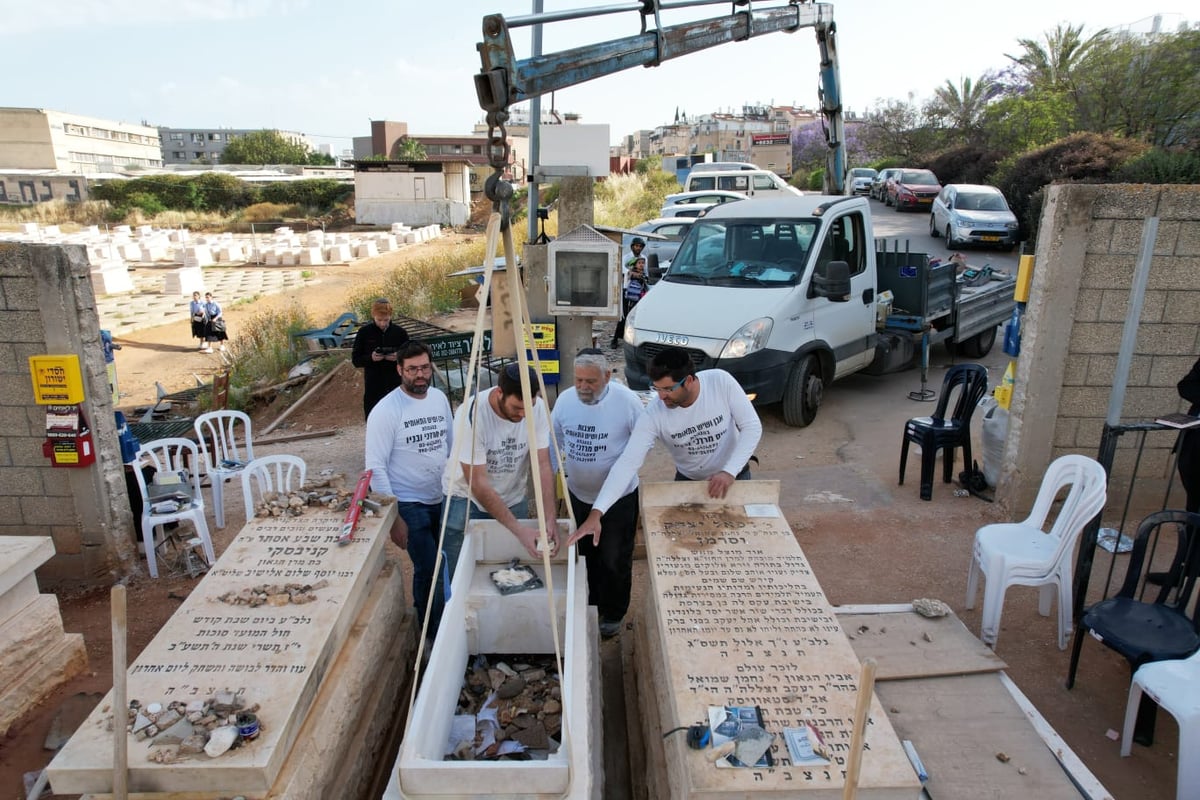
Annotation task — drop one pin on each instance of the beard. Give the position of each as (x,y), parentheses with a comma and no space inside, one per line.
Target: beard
(416,386)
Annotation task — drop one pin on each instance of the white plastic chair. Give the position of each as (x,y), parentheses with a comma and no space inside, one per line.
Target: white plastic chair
(279,473)
(1022,554)
(171,455)
(229,455)
(1171,684)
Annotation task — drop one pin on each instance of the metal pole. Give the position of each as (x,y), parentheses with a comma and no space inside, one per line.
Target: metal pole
(535,135)
(1133,314)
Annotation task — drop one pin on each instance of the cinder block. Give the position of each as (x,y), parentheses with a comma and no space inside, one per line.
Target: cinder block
(1087,305)
(1167,371)
(1075,371)
(1087,435)
(1114,305)
(1166,339)
(26,451)
(21,326)
(21,481)
(1095,337)
(1188,241)
(20,294)
(1064,431)
(49,511)
(14,260)
(56,482)
(5,459)
(1126,201)
(1175,273)
(10,509)
(1168,235)
(1083,401)
(1099,235)
(13,421)
(1126,237)
(1106,271)
(1179,202)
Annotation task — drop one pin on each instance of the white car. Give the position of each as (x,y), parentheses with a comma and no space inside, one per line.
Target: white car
(859,180)
(693,204)
(967,213)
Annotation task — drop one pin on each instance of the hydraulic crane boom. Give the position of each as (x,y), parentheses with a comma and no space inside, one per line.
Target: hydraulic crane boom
(504,80)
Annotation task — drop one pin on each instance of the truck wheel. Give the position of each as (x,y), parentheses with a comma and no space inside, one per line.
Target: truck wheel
(802,395)
(980,344)
(933,231)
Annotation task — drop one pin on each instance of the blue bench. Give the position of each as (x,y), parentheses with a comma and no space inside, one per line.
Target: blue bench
(332,335)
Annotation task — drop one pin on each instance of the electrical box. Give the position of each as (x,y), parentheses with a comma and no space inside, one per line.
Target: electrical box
(584,274)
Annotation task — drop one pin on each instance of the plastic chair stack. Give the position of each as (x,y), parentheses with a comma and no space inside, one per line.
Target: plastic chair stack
(1023,554)
(166,456)
(941,433)
(278,474)
(227,445)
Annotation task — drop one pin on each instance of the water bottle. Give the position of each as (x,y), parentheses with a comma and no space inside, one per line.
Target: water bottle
(1012,333)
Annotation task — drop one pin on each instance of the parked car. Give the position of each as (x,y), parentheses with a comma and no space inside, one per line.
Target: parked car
(859,180)
(665,234)
(913,188)
(693,204)
(967,213)
(879,184)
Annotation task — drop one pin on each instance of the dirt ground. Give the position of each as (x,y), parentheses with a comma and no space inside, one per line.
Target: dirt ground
(868,540)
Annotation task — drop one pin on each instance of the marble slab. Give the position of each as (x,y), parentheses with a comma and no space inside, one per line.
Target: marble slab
(275,656)
(20,556)
(742,621)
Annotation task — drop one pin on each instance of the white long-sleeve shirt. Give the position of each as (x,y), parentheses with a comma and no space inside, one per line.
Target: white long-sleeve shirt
(593,437)
(500,445)
(716,433)
(408,442)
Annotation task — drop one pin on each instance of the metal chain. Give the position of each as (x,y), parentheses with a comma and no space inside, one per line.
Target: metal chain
(495,188)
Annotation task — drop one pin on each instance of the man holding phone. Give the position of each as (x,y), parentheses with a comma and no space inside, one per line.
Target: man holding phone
(375,348)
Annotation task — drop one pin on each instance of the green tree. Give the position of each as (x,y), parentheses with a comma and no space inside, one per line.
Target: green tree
(264,147)
(1021,122)
(408,149)
(317,159)
(961,106)
(899,129)
(1054,62)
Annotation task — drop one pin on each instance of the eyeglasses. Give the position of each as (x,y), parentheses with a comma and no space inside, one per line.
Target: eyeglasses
(421,369)
(669,389)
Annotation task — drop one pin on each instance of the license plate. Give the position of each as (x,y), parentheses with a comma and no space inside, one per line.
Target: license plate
(925,200)
(989,238)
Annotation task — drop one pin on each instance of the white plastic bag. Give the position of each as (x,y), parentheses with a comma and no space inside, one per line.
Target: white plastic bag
(995,432)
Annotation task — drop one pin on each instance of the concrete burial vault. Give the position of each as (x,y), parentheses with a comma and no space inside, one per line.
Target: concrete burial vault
(275,656)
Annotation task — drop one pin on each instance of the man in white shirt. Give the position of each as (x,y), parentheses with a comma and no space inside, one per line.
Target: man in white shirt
(408,443)
(592,424)
(706,422)
(490,461)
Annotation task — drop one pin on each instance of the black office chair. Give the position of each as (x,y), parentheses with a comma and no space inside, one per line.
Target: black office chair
(1166,626)
(939,433)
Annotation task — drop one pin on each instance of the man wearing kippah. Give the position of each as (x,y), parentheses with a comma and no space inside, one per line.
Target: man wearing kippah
(592,423)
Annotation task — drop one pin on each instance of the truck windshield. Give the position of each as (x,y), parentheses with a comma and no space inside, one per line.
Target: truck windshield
(746,252)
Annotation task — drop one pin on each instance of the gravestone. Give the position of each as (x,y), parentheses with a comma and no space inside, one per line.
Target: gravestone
(735,617)
(36,656)
(271,655)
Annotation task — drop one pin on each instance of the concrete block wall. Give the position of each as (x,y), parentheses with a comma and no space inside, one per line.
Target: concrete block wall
(1085,262)
(47,307)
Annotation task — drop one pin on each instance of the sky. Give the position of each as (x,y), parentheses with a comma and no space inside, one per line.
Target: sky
(327,69)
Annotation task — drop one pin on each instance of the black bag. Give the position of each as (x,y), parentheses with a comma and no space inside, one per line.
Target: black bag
(198,316)
(218,326)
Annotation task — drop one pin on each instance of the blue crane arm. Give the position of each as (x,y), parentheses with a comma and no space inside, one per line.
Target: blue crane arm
(504,80)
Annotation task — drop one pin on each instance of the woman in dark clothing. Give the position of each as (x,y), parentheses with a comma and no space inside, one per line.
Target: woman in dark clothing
(214,324)
(196,309)
(1189,440)
(375,347)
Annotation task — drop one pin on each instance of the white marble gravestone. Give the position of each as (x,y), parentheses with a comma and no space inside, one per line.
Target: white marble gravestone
(739,619)
(275,656)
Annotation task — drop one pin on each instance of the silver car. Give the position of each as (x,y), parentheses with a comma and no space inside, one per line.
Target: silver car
(859,180)
(967,213)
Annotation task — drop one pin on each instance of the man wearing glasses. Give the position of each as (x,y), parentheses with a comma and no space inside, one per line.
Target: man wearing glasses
(490,461)
(706,422)
(408,443)
(592,423)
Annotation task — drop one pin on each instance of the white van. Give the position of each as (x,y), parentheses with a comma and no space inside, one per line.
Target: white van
(752,183)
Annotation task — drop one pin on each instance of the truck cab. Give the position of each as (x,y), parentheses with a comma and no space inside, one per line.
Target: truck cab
(779,292)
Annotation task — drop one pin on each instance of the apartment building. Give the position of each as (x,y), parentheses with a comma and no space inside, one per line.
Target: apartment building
(38,138)
(205,145)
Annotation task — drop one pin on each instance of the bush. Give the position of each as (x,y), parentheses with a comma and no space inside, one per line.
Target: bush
(262,350)
(966,164)
(270,212)
(1161,166)
(816,180)
(1080,157)
(624,201)
(320,194)
(422,287)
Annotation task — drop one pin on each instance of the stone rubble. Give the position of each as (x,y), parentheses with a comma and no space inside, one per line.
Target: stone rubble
(524,695)
(274,594)
(181,730)
(329,494)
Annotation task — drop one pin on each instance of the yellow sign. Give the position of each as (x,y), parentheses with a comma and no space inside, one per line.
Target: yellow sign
(543,335)
(57,380)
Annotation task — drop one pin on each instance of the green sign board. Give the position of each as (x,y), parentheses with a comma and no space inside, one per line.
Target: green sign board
(456,345)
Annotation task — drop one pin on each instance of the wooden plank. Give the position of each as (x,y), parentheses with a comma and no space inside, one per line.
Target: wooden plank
(959,726)
(634,743)
(647,657)
(742,621)
(912,646)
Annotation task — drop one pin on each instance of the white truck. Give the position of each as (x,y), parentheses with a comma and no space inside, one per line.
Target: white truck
(784,294)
